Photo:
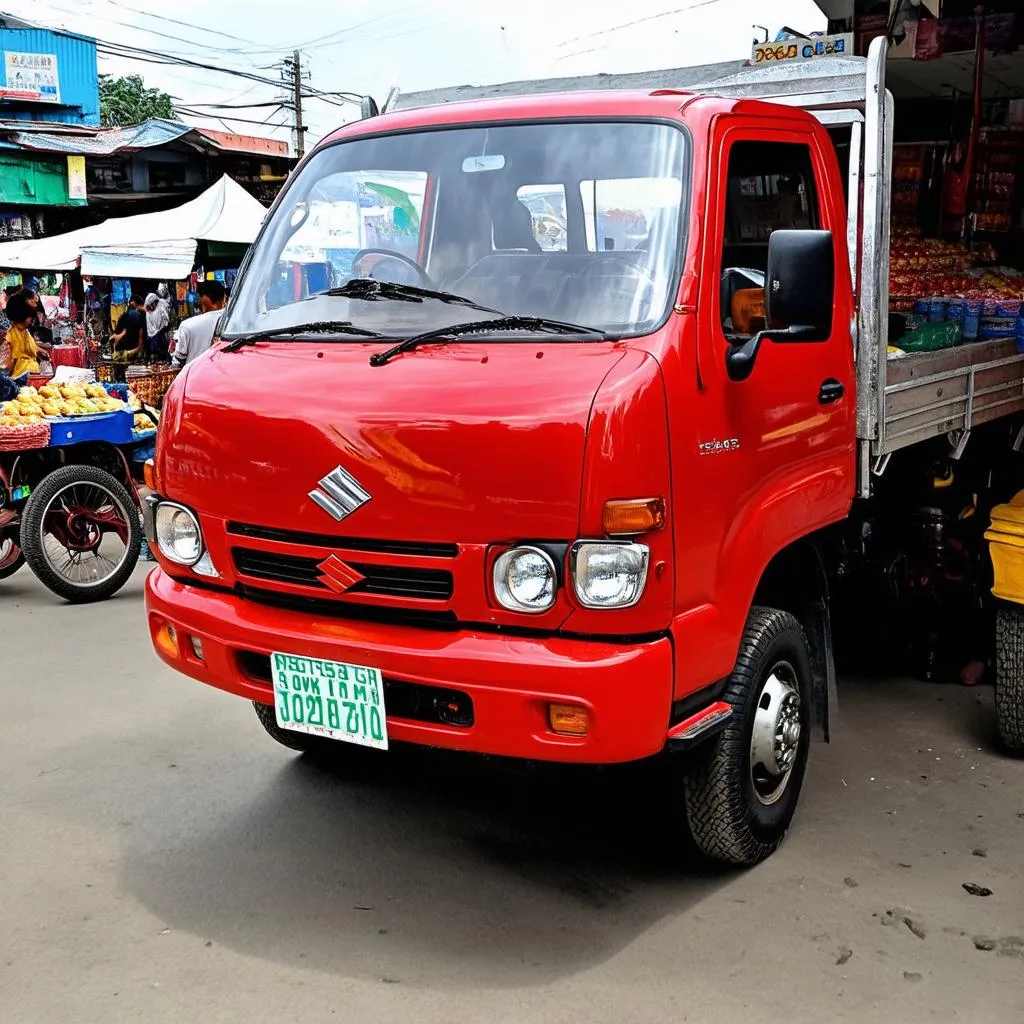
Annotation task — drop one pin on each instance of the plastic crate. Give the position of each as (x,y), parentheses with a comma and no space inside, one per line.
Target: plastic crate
(112,427)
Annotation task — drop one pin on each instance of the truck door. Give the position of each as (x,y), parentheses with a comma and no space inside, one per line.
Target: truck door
(775,453)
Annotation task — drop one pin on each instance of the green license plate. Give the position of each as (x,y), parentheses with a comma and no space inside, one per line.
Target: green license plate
(330,699)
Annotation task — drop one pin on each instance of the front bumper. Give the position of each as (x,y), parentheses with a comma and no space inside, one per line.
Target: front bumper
(627,688)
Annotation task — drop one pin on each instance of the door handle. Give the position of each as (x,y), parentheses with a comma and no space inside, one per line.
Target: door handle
(830,391)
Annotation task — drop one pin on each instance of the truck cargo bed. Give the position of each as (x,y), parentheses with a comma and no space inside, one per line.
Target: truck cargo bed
(928,394)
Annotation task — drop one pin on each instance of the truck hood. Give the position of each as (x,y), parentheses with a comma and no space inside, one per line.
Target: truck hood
(469,443)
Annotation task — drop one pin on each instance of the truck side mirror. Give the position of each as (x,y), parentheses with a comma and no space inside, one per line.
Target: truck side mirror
(800,283)
(799,290)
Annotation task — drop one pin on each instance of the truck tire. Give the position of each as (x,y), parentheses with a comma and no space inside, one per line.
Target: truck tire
(1010,675)
(78,504)
(329,751)
(740,793)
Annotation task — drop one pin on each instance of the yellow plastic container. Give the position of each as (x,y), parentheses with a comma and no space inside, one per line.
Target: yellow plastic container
(1005,536)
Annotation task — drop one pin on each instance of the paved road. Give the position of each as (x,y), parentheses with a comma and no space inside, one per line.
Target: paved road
(164,861)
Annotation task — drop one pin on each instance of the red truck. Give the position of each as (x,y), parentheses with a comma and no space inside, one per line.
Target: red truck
(554,493)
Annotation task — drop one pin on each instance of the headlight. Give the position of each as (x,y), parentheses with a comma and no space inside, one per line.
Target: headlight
(609,575)
(177,533)
(525,580)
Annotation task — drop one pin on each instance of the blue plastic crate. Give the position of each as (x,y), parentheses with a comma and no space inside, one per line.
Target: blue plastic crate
(113,427)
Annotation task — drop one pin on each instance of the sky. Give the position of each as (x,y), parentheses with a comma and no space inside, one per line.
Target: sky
(412,44)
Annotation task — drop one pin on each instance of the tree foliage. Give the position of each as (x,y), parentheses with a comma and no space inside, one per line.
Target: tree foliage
(126,101)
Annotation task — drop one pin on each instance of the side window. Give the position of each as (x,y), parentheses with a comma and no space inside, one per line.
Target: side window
(770,185)
(546,204)
(623,213)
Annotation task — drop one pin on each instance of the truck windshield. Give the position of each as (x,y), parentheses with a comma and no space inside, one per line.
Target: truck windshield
(578,222)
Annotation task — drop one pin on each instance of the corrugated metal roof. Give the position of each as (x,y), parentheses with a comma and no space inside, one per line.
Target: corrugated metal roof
(254,144)
(668,78)
(155,132)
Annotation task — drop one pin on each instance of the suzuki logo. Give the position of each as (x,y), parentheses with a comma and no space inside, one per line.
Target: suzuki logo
(339,494)
(337,575)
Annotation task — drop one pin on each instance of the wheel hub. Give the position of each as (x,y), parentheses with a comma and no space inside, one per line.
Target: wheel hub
(776,733)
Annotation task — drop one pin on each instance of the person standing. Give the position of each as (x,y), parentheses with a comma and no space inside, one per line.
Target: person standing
(158,323)
(130,333)
(195,335)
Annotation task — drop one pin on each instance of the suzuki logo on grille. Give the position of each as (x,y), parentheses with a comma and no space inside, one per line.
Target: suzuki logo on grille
(337,575)
(339,494)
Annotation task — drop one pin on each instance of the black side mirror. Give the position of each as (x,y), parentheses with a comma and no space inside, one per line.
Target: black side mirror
(798,294)
(368,108)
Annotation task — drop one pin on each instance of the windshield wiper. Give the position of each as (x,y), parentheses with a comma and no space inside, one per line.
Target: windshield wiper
(369,290)
(316,327)
(505,323)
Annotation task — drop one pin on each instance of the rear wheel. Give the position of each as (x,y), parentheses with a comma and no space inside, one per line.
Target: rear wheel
(741,792)
(81,533)
(12,558)
(1010,675)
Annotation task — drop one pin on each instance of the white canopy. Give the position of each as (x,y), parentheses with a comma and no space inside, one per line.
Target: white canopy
(154,245)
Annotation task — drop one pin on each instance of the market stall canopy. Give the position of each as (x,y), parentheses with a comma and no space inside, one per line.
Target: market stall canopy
(153,245)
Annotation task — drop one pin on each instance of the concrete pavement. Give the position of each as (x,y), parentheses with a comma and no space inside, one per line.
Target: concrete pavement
(165,861)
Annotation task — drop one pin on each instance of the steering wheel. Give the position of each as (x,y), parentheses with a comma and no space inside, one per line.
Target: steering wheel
(638,273)
(423,278)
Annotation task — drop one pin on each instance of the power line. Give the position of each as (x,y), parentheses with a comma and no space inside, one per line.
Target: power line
(175,21)
(155,57)
(638,21)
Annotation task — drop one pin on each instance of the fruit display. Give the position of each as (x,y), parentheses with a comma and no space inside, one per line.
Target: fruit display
(57,400)
(142,423)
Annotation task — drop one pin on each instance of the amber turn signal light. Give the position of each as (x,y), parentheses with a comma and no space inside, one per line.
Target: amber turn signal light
(629,518)
(149,474)
(568,719)
(166,640)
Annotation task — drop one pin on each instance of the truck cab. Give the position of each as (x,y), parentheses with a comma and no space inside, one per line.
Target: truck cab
(531,454)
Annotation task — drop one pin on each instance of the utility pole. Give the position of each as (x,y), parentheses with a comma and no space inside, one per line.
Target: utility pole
(292,78)
(300,128)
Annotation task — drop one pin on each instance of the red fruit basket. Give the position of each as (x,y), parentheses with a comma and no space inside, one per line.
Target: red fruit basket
(24,438)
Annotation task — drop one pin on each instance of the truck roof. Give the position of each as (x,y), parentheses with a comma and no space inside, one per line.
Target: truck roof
(661,103)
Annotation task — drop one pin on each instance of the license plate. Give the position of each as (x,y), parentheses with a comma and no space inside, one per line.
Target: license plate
(330,699)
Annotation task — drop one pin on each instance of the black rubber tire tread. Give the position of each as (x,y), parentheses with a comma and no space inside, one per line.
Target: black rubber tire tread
(1010,676)
(329,751)
(719,810)
(31,540)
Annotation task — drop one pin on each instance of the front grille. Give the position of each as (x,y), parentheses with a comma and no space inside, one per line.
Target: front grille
(383,580)
(385,614)
(414,701)
(326,540)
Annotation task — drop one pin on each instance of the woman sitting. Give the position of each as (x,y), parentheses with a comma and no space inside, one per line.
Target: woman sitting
(25,350)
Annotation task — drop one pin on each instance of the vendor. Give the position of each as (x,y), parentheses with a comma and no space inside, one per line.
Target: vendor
(39,328)
(25,350)
(130,333)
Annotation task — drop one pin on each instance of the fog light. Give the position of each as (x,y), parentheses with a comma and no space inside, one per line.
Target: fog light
(197,647)
(568,719)
(166,640)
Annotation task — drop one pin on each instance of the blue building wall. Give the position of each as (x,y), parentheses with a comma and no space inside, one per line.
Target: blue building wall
(76,73)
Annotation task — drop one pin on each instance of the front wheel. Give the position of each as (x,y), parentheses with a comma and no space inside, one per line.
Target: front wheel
(742,791)
(1010,676)
(336,753)
(81,533)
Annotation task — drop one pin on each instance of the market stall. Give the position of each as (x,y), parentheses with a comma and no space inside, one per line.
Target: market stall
(70,453)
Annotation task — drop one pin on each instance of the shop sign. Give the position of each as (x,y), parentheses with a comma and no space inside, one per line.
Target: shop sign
(796,51)
(31,76)
(76,178)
